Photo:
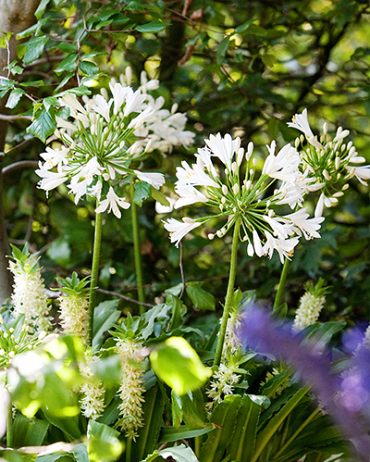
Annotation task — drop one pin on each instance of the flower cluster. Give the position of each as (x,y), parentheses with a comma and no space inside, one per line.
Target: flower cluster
(329,163)
(104,137)
(29,295)
(131,390)
(74,306)
(239,194)
(310,305)
(222,384)
(92,402)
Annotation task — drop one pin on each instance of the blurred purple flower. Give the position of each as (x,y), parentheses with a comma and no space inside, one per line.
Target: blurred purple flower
(346,396)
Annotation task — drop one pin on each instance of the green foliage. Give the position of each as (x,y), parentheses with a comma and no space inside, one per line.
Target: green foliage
(189,374)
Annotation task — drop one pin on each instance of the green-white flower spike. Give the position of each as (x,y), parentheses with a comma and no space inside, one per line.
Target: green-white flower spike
(29,295)
(74,306)
(310,305)
(92,402)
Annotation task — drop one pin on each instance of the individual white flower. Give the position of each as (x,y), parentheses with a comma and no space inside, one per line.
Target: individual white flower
(112,202)
(300,122)
(160,209)
(102,106)
(284,247)
(361,173)
(131,390)
(324,200)
(283,166)
(178,229)
(188,195)
(194,175)
(223,148)
(154,179)
(119,95)
(135,102)
(54,157)
(308,226)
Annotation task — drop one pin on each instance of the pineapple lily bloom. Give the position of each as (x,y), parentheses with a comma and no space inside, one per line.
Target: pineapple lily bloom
(328,164)
(238,194)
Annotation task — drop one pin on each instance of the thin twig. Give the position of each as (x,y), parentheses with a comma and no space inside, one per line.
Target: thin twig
(14,117)
(117,294)
(19,165)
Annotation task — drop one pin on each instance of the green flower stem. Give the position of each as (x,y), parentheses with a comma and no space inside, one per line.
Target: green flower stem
(283,277)
(95,271)
(137,253)
(229,293)
(9,427)
(128,449)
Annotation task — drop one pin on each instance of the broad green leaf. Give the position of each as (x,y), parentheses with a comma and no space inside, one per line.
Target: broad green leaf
(154,26)
(242,443)
(147,441)
(201,299)
(29,432)
(191,416)
(223,418)
(222,48)
(14,98)
(5,37)
(179,366)
(243,27)
(274,423)
(88,68)
(159,197)
(179,454)
(103,443)
(67,47)
(68,64)
(105,315)
(171,434)
(41,8)
(43,125)
(176,409)
(34,48)
(177,309)
(142,192)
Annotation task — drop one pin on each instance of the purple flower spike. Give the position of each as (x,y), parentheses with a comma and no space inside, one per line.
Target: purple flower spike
(346,396)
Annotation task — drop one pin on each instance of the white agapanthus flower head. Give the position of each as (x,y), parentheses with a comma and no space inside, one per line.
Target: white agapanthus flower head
(224,178)
(328,165)
(103,136)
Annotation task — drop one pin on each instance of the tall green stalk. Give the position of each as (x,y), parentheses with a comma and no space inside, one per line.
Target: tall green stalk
(229,293)
(137,253)
(9,426)
(95,271)
(283,278)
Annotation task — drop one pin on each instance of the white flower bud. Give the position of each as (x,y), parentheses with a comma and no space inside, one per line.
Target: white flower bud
(234,167)
(297,142)
(345,187)
(250,249)
(224,189)
(219,234)
(240,155)
(326,175)
(104,92)
(325,128)
(249,151)
(337,163)
(338,194)
(211,236)
(236,189)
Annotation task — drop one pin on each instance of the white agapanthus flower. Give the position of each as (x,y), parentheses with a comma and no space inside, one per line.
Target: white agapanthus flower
(224,178)
(329,164)
(103,136)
